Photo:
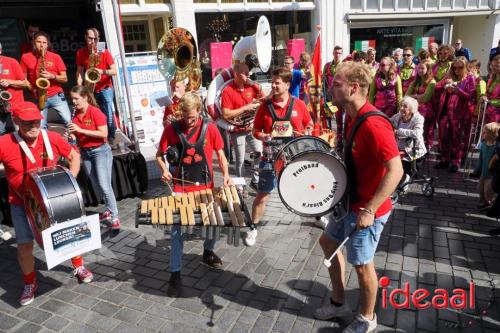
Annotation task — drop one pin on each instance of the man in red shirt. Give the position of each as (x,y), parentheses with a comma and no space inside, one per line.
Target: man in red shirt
(12,80)
(26,152)
(41,63)
(195,140)
(238,98)
(103,62)
(171,110)
(280,109)
(374,171)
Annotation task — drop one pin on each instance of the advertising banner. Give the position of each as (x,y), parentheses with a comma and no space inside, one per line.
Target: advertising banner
(221,55)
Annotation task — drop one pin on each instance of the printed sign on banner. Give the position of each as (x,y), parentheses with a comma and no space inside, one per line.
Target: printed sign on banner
(66,240)
(295,48)
(147,85)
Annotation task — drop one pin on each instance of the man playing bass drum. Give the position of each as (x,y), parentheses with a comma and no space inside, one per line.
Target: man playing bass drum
(281,111)
(20,152)
(189,144)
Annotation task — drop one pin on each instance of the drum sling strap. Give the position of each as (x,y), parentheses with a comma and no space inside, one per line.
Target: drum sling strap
(274,115)
(351,171)
(29,154)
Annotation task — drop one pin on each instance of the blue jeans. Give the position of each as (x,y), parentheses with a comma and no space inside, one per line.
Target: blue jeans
(362,244)
(21,225)
(105,100)
(98,165)
(5,123)
(59,103)
(267,177)
(177,248)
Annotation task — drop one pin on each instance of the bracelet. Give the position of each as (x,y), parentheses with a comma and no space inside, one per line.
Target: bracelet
(366,210)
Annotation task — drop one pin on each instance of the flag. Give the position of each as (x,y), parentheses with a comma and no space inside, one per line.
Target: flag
(424,42)
(315,83)
(363,45)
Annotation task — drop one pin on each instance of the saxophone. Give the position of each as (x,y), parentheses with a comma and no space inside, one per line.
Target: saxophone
(5,97)
(42,84)
(92,75)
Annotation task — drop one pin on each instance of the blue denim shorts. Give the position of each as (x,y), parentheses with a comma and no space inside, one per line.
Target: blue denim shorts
(362,245)
(267,177)
(21,224)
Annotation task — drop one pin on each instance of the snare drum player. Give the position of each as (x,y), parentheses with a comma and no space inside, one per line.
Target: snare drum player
(189,144)
(280,111)
(238,98)
(23,151)
(373,175)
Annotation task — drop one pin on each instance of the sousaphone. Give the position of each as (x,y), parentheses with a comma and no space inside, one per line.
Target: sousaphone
(260,45)
(178,57)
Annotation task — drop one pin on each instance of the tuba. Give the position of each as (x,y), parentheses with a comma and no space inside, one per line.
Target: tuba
(92,75)
(177,58)
(259,44)
(42,84)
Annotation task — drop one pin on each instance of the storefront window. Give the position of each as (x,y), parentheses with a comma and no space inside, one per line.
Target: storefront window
(285,25)
(129,2)
(388,4)
(157,1)
(403,4)
(386,39)
(432,4)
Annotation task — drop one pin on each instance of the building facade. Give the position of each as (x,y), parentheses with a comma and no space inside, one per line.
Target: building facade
(387,24)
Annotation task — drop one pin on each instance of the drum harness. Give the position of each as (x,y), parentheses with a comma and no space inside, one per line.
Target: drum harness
(175,158)
(269,152)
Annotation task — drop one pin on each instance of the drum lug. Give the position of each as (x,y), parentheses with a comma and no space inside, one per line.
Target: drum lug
(236,236)
(229,235)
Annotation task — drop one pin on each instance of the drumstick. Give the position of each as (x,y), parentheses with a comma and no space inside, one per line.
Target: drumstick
(328,262)
(170,187)
(187,181)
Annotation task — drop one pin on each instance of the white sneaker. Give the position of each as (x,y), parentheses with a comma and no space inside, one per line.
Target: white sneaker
(322,222)
(329,311)
(361,324)
(251,237)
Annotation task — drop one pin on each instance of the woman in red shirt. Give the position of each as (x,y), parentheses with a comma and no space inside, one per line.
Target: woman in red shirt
(90,128)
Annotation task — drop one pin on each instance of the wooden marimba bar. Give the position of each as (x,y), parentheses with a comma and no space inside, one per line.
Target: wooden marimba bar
(211,210)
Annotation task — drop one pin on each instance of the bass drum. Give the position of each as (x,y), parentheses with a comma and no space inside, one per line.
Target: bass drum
(311,179)
(52,196)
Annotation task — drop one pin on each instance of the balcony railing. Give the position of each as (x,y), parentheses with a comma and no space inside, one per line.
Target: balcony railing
(385,6)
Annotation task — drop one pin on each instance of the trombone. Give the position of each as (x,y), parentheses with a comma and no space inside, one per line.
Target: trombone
(475,137)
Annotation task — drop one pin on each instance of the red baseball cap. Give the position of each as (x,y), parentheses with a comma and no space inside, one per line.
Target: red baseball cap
(26,111)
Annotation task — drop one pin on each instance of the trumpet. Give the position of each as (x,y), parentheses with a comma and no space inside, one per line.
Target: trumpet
(92,75)
(42,84)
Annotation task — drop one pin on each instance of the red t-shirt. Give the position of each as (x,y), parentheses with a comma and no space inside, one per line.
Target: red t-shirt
(26,47)
(17,164)
(299,118)
(373,145)
(91,120)
(31,62)
(106,60)
(234,98)
(11,70)
(213,142)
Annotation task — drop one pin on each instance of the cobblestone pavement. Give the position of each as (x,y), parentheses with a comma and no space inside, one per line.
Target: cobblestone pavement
(274,286)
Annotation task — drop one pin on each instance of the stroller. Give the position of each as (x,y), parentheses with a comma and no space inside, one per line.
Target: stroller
(416,176)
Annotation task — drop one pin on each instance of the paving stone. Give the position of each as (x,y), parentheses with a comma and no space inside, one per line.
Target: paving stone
(105,308)
(28,328)
(284,322)
(34,315)
(56,323)
(127,328)
(151,323)
(7,322)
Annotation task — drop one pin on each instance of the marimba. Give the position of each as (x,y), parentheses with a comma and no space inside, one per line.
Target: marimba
(209,209)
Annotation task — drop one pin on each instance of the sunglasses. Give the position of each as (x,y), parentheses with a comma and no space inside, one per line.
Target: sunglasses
(407,55)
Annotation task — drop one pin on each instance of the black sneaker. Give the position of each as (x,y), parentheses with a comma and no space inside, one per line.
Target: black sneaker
(442,165)
(494,232)
(483,206)
(453,168)
(211,259)
(174,285)
(475,175)
(247,163)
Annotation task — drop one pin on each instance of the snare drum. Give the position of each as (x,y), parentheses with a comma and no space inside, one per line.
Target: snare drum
(52,196)
(312,180)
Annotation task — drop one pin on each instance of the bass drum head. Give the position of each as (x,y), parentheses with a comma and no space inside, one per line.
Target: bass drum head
(312,184)
(36,210)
